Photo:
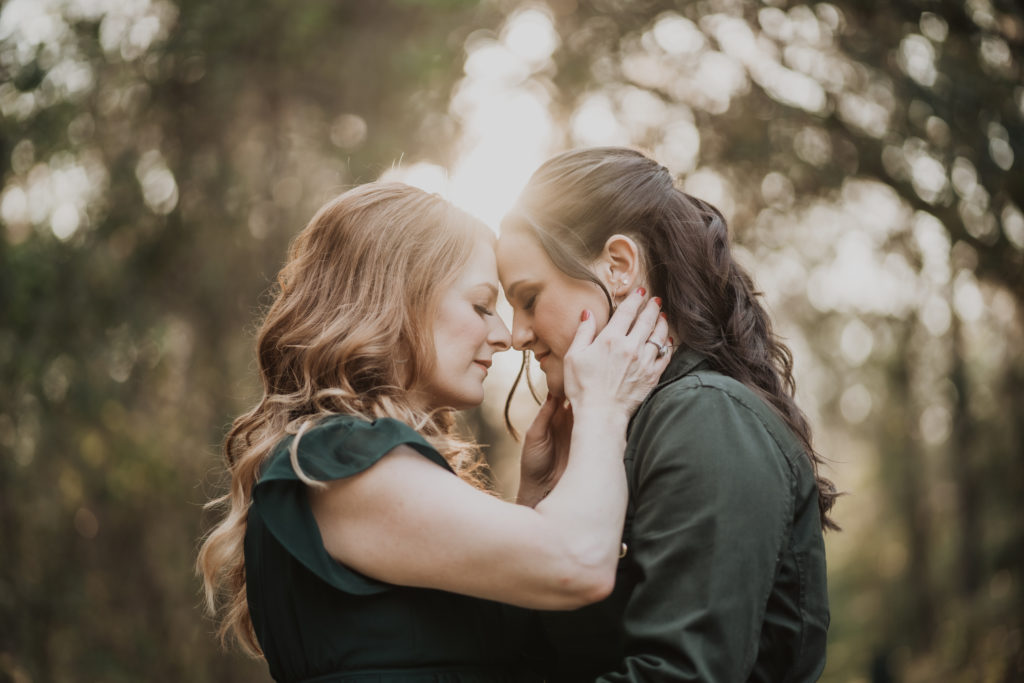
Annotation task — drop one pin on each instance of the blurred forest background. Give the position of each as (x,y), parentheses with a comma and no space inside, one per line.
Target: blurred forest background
(156,157)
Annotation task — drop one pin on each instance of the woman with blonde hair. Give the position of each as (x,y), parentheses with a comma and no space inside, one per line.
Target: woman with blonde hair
(360,541)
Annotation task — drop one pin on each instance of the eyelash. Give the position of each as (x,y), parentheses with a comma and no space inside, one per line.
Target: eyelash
(483,310)
(530,302)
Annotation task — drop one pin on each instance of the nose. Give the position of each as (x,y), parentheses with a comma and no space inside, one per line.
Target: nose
(522,334)
(499,337)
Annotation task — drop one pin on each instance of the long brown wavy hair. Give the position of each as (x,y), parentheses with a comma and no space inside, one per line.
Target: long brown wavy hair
(349,331)
(576,200)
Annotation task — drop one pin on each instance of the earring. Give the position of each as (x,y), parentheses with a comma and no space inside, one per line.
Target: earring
(620,285)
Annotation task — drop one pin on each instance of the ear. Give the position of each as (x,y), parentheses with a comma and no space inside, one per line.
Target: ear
(619,265)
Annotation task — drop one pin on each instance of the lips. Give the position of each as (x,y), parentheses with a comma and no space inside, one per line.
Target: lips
(541,356)
(486,364)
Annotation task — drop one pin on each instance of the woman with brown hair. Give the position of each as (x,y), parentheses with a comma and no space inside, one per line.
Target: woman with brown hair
(359,541)
(724,578)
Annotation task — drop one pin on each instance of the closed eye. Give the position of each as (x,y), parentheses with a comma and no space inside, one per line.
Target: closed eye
(528,304)
(483,310)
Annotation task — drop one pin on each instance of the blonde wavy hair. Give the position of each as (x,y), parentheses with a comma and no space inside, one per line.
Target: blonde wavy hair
(349,332)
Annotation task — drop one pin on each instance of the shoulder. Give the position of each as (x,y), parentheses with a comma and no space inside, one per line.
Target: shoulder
(699,386)
(707,417)
(709,395)
(696,396)
(339,446)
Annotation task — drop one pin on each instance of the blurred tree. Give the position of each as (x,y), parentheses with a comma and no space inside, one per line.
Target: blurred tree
(156,157)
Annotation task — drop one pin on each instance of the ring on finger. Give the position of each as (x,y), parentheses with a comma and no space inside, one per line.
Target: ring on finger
(662,348)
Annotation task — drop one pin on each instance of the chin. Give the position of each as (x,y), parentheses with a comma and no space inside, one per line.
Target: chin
(457,401)
(468,400)
(556,387)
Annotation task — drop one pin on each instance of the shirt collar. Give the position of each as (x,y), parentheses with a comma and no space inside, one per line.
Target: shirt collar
(684,361)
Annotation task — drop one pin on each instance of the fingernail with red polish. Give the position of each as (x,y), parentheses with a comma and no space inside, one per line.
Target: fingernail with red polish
(641,291)
(671,340)
(663,316)
(585,315)
(657,300)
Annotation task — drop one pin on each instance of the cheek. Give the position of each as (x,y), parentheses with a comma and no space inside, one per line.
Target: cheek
(556,327)
(472,332)
(458,333)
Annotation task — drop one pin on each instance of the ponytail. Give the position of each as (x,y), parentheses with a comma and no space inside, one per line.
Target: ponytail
(730,326)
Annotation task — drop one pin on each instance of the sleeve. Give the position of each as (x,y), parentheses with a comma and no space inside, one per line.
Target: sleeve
(713,498)
(336,448)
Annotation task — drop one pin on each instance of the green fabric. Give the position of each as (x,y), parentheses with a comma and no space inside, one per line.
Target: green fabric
(724,578)
(317,620)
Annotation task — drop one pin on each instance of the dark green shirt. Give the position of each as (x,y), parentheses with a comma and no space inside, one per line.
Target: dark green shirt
(320,621)
(724,576)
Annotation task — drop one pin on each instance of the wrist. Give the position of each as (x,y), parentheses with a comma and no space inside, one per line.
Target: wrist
(601,432)
(597,412)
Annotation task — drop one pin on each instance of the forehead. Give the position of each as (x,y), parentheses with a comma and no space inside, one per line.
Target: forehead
(520,256)
(480,266)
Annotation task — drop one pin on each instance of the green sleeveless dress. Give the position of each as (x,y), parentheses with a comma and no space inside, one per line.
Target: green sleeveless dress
(318,621)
